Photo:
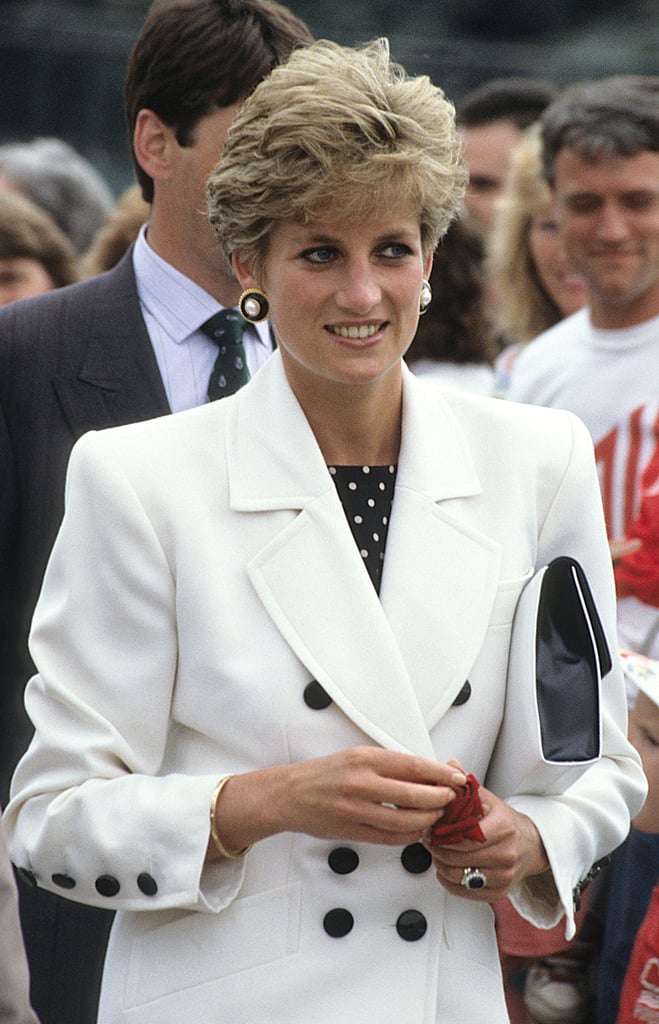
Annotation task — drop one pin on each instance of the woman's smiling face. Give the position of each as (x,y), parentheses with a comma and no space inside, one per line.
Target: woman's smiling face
(556,272)
(344,296)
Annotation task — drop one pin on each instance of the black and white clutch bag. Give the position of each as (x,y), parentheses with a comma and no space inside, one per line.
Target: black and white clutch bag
(558,657)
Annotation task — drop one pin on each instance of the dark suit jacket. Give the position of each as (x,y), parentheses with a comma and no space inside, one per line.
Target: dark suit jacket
(72,360)
(14,1001)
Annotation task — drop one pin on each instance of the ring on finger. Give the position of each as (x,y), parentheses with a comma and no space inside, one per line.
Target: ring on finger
(473,878)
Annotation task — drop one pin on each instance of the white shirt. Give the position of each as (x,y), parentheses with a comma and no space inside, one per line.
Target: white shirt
(174,308)
(609,379)
(475,377)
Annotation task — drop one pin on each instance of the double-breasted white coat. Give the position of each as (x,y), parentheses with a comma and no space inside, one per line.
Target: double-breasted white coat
(204,575)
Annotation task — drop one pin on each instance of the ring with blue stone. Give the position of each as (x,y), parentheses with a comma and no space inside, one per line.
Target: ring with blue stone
(473,878)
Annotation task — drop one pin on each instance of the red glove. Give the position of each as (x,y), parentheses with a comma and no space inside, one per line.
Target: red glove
(461,817)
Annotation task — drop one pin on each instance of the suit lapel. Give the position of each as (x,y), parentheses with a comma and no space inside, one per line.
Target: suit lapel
(393,664)
(117,379)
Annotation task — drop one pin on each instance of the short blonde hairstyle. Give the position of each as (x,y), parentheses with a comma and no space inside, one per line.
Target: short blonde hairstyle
(339,127)
(525,308)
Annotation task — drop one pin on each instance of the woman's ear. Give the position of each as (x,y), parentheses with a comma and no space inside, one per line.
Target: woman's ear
(243,271)
(428,266)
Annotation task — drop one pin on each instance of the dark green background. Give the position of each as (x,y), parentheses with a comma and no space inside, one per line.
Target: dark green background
(62,64)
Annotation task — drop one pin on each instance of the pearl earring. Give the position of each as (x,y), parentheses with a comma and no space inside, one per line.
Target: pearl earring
(426,297)
(254,306)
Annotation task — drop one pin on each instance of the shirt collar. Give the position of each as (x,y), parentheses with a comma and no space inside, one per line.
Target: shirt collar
(176,302)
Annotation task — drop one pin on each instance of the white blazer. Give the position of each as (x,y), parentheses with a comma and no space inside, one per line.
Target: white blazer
(204,575)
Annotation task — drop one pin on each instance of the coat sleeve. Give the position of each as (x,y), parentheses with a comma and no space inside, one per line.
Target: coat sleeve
(590,817)
(93,815)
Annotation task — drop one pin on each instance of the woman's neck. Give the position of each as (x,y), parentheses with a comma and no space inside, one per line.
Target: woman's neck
(359,448)
(356,426)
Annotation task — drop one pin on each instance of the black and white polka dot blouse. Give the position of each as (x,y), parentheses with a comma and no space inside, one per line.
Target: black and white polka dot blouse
(367,493)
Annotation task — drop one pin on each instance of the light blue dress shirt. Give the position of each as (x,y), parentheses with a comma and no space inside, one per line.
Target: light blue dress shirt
(174,307)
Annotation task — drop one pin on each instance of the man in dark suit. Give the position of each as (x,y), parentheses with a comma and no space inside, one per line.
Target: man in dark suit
(120,347)
(14,1000)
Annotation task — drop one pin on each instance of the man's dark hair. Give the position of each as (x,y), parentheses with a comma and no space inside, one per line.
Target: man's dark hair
(616,116)
(193,56)
(520,100)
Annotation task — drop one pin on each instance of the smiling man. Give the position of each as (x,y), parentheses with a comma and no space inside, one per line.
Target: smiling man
(601,157)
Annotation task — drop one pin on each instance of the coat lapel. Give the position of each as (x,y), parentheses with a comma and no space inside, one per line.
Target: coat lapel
(393,664)
(440,575)
(116,380)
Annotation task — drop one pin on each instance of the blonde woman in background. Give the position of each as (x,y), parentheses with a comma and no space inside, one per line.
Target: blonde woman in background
(535,282)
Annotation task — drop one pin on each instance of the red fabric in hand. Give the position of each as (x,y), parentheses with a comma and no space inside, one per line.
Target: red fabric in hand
(461,817)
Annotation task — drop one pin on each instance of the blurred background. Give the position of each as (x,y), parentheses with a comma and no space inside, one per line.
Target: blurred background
(62,63)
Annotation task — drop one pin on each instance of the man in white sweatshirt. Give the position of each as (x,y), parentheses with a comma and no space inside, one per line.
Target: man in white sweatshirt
(601,157)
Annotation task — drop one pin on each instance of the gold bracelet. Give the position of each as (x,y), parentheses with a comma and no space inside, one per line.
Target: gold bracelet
(219,845)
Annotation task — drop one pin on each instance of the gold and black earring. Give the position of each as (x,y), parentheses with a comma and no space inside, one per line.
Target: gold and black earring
(426,297)
(254,306)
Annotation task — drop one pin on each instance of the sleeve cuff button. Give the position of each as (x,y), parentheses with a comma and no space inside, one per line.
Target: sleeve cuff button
(107,885)
(147,884)
(64,881)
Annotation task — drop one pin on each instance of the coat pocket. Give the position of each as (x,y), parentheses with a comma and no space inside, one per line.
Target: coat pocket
(192,949)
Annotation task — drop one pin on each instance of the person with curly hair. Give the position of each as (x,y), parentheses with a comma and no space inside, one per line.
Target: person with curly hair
(455,342)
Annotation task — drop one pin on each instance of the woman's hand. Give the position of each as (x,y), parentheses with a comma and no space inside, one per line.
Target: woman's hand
(364,794)
(512,850)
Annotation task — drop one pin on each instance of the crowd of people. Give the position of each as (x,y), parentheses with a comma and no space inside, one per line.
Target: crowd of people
(329,545)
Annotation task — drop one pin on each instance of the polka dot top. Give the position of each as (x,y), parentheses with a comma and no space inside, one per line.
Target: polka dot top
(367,493)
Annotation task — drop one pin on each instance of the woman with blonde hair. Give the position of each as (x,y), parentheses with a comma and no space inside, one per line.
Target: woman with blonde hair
(534,281)
(260,707)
